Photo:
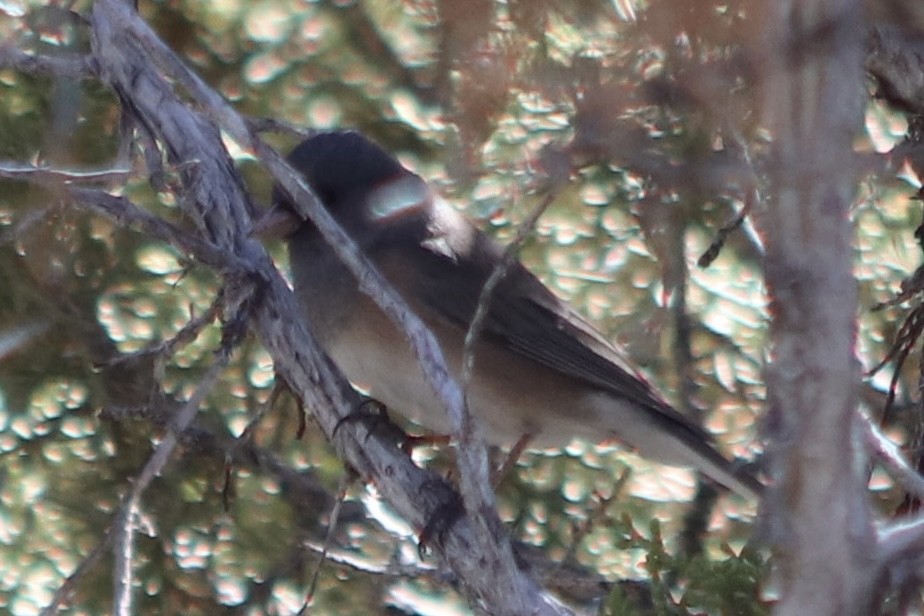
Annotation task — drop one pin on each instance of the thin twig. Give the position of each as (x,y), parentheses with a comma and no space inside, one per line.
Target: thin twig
(752,199)
(124,552)
(124,213)
(25,223)
(152,468)
(888,454)
(14,338)
(484,299)
(88,562)
(188,333)
(908,334)
(328,538)
(34,64)
(362,565)
(246,438)
(275,125)
(11,170)
(901,541)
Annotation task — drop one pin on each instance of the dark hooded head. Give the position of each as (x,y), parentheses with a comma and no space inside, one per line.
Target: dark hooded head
(364,187)
(341,164)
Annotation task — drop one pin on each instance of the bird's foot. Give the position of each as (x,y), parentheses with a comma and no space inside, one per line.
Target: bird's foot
(374,415)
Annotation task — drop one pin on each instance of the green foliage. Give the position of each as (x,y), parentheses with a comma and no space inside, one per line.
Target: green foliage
(726,583)
(627,125)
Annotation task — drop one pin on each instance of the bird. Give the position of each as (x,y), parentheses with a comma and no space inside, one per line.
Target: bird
(541,371)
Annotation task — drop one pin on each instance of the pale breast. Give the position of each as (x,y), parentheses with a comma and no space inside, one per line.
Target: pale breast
(511,395)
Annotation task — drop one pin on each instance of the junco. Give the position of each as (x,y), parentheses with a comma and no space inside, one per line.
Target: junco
(540,369)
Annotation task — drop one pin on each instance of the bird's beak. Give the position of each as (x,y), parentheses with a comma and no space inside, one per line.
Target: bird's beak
(275,223)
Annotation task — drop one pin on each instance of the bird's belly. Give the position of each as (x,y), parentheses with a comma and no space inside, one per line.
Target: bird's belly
(511,396)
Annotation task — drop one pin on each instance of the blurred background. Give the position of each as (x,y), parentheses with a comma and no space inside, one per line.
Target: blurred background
(640,120)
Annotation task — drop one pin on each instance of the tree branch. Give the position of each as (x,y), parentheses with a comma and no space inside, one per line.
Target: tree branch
(812,91)
(475,548)
(59,66)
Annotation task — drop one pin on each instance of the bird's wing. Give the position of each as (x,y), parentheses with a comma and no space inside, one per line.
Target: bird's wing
(450,269)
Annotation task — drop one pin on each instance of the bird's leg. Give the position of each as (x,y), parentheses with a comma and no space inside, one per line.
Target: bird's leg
(411,441)
(372,411)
